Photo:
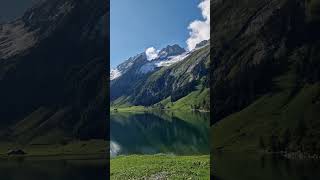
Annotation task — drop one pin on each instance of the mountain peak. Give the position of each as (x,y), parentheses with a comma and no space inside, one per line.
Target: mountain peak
(172,50)
(168,55)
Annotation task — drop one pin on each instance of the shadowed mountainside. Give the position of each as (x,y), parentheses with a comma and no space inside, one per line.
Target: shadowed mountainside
(265,74)
(53,81)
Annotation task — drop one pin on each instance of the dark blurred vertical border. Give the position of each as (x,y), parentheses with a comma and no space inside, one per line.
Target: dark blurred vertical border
(54,75)
(107,80)
(210,87)
(107,44)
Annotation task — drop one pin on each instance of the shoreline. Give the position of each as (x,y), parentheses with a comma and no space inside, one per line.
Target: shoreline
(75,150)
(150,109)
(71,156)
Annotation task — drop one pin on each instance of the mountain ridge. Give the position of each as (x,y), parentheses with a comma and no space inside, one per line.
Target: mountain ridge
(142,76)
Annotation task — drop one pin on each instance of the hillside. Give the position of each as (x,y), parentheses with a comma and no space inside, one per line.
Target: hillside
(52,73)
(265,89)
(176,80)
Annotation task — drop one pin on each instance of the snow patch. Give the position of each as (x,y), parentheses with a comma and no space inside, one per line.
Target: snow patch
(172,60)
(114,74)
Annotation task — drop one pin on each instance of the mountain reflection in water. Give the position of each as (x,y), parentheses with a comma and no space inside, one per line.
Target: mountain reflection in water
(181,133)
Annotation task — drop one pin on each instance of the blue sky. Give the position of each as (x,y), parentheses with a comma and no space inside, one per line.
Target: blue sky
(140,24)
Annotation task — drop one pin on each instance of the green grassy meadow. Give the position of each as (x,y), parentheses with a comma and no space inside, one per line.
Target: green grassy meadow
(160,167)
(197,99)
(285,117)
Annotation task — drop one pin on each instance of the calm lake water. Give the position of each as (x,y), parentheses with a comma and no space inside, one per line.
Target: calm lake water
(52,170)
(229,166)
(179,133)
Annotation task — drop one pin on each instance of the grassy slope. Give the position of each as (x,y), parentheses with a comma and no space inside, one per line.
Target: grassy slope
(184,104)
(121,102)
(272,114)
(160,167)
(29,137)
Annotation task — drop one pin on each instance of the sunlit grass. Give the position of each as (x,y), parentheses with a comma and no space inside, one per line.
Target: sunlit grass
(160,167)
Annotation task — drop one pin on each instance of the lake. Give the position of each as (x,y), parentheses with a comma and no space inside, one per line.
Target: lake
(53,170)
(178,133)
(231,166)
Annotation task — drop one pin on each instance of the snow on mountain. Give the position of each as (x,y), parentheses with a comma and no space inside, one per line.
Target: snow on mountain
(172,60)
(122,68)
(161,62)
(114,74)
(166,57)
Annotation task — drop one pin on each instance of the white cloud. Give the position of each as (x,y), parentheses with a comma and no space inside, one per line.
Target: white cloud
(152,53)
(205,8)
(200,29)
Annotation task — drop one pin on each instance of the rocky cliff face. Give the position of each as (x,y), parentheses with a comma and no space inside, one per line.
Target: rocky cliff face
(52,71)
(265,71)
